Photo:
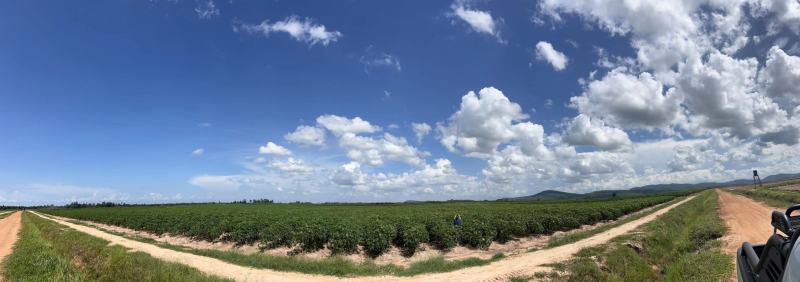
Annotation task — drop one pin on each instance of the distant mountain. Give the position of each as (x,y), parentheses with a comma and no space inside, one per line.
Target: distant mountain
(644,190)
(548,195)
(780,177)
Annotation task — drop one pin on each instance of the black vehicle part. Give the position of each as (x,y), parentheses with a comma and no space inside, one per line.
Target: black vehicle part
(768,262)
(794,221)
(781,222)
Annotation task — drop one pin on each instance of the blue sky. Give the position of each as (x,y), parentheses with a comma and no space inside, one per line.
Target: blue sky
(163,101)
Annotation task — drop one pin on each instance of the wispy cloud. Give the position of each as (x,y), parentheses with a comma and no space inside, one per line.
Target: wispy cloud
(206,9)
(375,59)
(303,30)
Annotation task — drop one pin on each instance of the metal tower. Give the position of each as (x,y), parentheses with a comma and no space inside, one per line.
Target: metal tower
(756,178)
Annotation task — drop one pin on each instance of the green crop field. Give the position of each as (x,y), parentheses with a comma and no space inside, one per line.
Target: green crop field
(375,227)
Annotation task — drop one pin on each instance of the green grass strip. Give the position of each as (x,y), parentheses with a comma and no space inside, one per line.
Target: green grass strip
(770,196)
(35,259)
(577,236)
(47,251)
(681,245)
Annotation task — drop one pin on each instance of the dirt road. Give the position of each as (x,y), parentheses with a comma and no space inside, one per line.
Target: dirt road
(9,229)
(523,264)
(747,220)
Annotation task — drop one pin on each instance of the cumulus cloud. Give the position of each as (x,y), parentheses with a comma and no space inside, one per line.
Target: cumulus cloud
(583,131)
(375,151)
(340,125)
(779,78)
(720,95)
(484,121)
(303,30)
(274,149)
(685,158)
(479,21)
(420,130)
(546,52)
(307,135)
(440,177)
(629,101)
(707,112)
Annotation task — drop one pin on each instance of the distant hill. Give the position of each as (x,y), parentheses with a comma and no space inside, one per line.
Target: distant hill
(780,177)
(644,190)
(548,195)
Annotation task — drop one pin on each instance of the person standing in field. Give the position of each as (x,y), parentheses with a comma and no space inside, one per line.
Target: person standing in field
(457,220)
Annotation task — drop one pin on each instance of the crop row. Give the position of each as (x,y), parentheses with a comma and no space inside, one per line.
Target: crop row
(372,228)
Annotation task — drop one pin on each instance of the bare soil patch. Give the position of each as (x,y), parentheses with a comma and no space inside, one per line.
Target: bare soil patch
(747,220)
(9,232)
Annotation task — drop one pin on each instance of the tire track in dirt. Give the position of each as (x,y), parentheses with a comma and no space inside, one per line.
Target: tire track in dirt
(9,232)
(523,264)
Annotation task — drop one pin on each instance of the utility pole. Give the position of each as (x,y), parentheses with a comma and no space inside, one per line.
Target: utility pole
(756,178)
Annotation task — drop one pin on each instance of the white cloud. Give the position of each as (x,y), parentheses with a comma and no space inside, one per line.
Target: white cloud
(779,79)
(721,95)
(198,152)
(629,101)
(374,59)
(224,182)
(349,174)
(304,30)
(206,9)
(292,166)
(440,177)
(479,21)
(486,120)
(420,130)
(374,152)
(274,149)
(307,135)
(685,158)
(545,51)
(340,125)
(584,131)
(596,163)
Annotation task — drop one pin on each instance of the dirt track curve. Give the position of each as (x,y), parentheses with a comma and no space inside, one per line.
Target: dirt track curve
(9,229)
(523,264)
(747,220)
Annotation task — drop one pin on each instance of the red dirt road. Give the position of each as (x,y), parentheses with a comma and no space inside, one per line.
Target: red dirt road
(9,230)
(747,220)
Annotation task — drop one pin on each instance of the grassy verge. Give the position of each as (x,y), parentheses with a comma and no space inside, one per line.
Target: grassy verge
(577,236)
(47,251)
(681,245)
(770,196)
(335,266)
(5,214)
(35,259)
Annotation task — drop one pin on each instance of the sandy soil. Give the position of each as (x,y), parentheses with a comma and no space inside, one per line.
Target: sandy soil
(392,256)
(9,229)
(523,264)
(747,220)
